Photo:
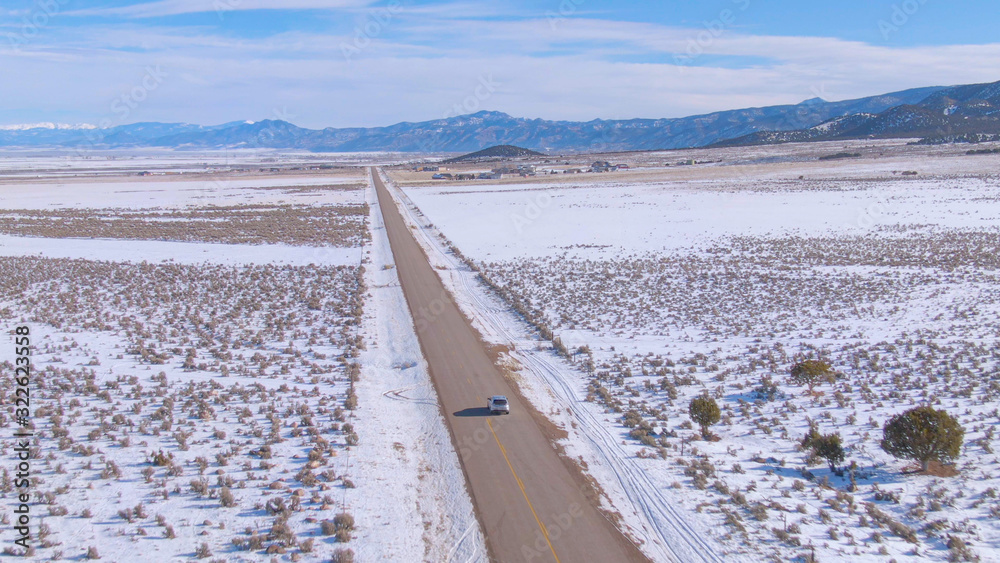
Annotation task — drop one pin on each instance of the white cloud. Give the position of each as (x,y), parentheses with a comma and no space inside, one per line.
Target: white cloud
(176,7)
(421,66)
(465,10)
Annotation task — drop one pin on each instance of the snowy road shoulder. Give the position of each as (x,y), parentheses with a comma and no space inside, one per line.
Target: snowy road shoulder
(411,487)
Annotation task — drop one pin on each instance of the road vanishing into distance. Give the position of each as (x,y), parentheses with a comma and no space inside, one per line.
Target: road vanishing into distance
(533,504)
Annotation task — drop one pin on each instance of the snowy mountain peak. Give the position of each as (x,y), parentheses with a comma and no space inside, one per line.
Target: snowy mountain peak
(47,125)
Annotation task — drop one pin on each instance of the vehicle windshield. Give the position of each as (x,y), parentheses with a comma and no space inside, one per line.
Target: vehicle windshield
(500,401)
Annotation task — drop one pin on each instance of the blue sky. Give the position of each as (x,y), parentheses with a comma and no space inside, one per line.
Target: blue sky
(345,63)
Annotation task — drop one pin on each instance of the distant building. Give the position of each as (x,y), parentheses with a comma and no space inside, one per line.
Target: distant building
(520,170)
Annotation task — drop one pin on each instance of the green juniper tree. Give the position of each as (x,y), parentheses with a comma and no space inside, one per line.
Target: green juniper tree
(704,411)
(923,434)
(811,372)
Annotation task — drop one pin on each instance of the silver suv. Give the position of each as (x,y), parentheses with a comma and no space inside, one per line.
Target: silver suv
(497,404)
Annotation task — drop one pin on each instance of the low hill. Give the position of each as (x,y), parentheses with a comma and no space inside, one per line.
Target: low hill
(495,153)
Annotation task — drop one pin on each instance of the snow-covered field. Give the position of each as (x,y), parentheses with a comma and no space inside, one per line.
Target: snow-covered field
(27,163)
(663,289)
(128,192)
(204,340)
(222,374)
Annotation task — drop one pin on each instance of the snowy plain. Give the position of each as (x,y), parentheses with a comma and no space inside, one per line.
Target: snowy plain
(646,515)
(665,284)
(913,259)
(200,351)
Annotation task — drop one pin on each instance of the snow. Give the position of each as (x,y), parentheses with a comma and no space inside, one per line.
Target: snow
(46,125)
(180,193)
(71,350)
(31,163)
(648,514)
(407,495)
(496,222)
(422,509)
(875,265)
(729,272)
(826,126)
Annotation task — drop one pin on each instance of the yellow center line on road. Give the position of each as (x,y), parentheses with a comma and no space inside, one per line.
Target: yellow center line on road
(520,484)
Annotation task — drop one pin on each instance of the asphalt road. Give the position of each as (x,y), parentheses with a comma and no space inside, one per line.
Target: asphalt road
(533,504)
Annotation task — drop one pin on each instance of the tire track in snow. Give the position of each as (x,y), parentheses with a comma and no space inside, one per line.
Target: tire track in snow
(670,527)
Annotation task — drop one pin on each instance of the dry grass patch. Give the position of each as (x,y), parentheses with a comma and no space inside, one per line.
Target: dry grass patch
(185,392)
(738,317)
(299,225)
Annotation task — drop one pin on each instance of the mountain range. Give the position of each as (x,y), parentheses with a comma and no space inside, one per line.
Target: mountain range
(956,112)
